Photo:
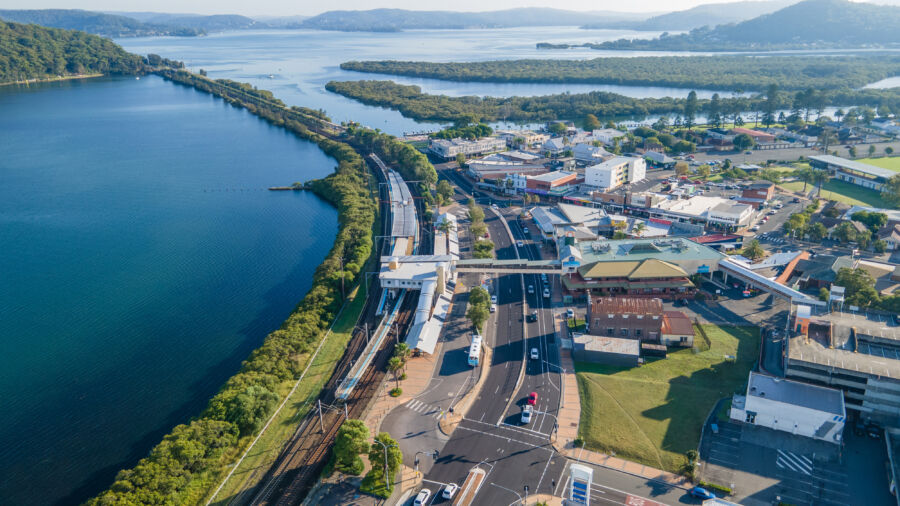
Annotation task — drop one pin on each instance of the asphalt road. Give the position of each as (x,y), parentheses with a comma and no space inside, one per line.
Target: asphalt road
(491,437)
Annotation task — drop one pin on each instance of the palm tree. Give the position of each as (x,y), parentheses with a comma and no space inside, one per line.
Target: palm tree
(638,229)
(826,138)
(820,177)
(445,226)
(806,175)
(394,365)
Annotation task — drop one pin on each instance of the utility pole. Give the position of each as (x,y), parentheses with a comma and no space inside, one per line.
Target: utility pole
(321,422)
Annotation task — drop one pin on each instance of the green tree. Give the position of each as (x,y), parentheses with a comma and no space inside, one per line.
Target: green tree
(395,365)
(879,246)
(871,150)
(445,190)
(682,168)
(639,229)
(249,409)
(852,151)
(753,250)
(874,220)
(557,128)
(374,482)
(844,232)
(888,150)
(891,191)
(824,294)
(770,106)
(816,232)
(743,141)
(479,307)
(820,177)
(460,160)
(859,287)
(352,439)
(806,175)
(591,122)
(703,170)
(690,109)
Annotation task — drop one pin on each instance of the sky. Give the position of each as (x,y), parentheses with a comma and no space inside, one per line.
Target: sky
(309,7)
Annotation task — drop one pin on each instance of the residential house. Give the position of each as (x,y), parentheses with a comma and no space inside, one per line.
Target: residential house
(590,154)
(554,146)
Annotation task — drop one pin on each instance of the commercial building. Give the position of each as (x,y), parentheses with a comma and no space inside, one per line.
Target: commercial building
(495,169)
(642,319)
(757,194)
(716,211)
(659,159)
(590,154)
(615,172)
(448,149)
(756,135)
(527,137)
(607,135)
(791,406)
(644,268)
(556,183)
(858,354)
(554,146)
(851,171)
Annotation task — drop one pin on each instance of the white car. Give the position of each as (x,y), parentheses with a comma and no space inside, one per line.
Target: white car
(493,299)
(530,288)
(526,413)
(570,313)
(422,497)
(450,490)
(493,308)
(779,206)
(520,244)
(534,354)
(546,293)
(755,228)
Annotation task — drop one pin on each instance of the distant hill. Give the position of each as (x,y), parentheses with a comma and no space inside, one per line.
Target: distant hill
(208,23)
(711,15)
(36,52)
(400,19)
(806,25)
(98,23)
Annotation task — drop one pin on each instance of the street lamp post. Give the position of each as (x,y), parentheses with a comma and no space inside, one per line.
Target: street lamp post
(385,461)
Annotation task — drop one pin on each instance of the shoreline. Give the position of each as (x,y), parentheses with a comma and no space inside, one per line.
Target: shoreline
(52,79)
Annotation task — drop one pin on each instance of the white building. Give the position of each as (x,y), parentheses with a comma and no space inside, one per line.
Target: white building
(615,172)
(516,182)
(607,135)
(730,214)
(528,137)
(791,406)
(450,148)
(553,146)
(590,154)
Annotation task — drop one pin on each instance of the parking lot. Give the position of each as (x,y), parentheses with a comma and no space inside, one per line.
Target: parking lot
(765,466)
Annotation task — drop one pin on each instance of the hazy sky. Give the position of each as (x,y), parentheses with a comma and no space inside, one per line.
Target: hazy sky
(308,7)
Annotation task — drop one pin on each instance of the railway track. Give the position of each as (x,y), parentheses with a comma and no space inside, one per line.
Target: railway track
(300,464)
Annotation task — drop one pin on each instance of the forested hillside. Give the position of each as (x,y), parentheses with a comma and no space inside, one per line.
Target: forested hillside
(808,24)
(726,73)
(108,25)
(711,15)
(36,52)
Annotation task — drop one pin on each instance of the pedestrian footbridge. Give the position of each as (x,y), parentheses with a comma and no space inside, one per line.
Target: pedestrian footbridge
(515,266)
(729,267)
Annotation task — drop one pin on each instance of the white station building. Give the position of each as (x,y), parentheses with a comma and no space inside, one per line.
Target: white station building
(790,406)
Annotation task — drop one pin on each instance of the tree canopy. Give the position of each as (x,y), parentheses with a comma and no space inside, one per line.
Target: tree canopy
(36,52)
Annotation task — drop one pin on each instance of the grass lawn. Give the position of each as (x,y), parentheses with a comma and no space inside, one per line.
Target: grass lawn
(890,163)
(251,470)
(843,192)
(653,414)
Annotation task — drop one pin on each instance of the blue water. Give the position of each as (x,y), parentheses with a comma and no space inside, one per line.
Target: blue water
(141,259)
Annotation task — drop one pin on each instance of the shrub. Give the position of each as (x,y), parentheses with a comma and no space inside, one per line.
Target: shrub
(395,392)
(716,487)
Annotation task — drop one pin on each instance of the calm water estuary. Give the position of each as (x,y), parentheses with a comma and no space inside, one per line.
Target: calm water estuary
(141,259)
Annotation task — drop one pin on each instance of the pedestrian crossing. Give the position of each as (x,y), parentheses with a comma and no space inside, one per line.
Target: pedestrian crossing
(794,462)
(424,408)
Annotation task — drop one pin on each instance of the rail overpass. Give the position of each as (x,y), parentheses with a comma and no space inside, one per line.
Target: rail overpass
(734,269)
(514,266)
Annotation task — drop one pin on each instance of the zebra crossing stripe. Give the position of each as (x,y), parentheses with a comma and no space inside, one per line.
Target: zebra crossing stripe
(794,462)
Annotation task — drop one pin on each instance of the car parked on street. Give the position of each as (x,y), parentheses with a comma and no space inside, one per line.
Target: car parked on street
(422,497)
(450,490)
(702,493)
(493,308)
(570,313)
(493,299)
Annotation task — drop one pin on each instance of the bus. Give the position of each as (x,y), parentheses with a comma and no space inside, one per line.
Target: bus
(475,350)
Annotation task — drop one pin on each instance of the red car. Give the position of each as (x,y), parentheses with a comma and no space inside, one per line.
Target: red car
(532,398)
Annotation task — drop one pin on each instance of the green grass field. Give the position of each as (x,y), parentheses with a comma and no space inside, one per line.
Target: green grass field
(890,163)
(653,414)
(843,192)
(252,468)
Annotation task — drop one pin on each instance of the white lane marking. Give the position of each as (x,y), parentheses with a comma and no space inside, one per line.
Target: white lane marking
(795,460)
(508,439)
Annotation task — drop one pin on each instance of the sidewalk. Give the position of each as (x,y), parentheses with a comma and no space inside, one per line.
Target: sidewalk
(418,377)
(569,416)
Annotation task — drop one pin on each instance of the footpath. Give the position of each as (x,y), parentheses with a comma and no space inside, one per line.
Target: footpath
(570,414)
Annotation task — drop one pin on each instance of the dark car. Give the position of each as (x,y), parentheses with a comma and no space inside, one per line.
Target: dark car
(873,431)
(702,493)
(859,428)
(532,317)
